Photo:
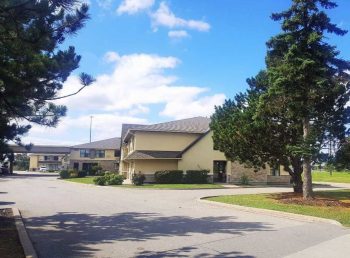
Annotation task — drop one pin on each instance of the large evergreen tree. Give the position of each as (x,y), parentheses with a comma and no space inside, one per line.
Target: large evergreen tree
(308,88)
(32,67)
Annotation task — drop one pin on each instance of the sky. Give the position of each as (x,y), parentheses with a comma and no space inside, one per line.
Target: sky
(161,60)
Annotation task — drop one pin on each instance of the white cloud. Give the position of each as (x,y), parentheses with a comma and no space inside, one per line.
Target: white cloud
(177,34)
(111,57)
(105,4)
(166,18)
(134,6)
(126,95)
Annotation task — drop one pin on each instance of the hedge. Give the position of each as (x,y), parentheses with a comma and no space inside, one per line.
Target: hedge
(169,177)
(196,176)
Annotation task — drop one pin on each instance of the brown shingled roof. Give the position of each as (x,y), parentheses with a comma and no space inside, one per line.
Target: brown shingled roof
(107,144)
(188,125)
(148,154)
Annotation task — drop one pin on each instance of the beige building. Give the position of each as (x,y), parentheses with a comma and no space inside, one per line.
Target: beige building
(104,153)
(48,156)
(182,145)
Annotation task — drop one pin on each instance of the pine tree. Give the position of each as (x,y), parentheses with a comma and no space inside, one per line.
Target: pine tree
(302,103)
(32,67)
(309,83)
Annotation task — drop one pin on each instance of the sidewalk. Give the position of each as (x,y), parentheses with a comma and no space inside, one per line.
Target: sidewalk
(337,247)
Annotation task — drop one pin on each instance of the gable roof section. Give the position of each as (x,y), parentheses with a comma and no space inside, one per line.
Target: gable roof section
(189,125)
(148,154)
(107,144)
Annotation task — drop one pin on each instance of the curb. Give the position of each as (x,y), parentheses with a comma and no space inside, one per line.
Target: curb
(26,243)
(280,214)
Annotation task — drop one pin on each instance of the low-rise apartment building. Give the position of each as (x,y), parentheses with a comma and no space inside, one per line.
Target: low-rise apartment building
(183,145)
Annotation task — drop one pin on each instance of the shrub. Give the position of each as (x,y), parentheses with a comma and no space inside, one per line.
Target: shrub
(73,173)
(100,180)
(168,177)
(138,179)
(196,176)
(64,174)
(95,170)
(82,173)
(244,180)
(113,178)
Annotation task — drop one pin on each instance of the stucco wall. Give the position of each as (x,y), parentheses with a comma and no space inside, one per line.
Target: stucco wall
(202,155)
(33,162)
(151,166)
(163,141)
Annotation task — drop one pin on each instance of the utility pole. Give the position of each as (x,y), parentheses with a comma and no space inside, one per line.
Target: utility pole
(90,126)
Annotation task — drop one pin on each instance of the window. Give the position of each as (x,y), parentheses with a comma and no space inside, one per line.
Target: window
(84,153)
(55,158)
(116,153)
(100,153)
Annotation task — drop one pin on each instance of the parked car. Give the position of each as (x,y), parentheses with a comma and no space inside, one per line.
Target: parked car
(43,169)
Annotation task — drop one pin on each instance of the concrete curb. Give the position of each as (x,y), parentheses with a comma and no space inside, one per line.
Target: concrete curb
(26,243)
(280,214)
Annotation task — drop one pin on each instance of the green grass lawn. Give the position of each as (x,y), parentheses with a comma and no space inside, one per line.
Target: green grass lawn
(83,180)
(173,186)
(89,180)
(336,177)
(270,202)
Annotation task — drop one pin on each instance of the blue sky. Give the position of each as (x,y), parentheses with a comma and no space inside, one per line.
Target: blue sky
(157,61)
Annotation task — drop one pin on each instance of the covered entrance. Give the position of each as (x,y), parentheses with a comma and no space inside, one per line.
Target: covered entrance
(219,171)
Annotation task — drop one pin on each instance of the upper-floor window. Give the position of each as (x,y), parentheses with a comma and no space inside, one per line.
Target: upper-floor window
(100,153)
(116,153)
(84,153)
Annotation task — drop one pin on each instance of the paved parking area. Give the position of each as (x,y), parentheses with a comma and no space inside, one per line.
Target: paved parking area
(75,220)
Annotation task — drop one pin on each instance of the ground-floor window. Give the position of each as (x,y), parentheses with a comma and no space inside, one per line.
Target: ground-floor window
(219,171)
(88,166)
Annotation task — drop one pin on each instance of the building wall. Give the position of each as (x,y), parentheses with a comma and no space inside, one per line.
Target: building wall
(149,167)
(33,162)
(239,170)
(163,141)
(75,155)
(202,156)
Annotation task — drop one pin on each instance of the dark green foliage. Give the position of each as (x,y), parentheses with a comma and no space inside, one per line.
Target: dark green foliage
(109,178)
(32,66)
(169,177)
(21,162)
(196,176)
(244,180)
(294,107)
(73,173)
(95,170)
(82,173)
(342,157)
(100,180)
(64,174)
(138,179)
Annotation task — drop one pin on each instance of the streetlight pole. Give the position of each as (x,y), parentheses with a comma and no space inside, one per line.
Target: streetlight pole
(90,126)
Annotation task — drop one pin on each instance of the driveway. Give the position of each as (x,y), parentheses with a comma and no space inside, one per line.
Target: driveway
(75,220)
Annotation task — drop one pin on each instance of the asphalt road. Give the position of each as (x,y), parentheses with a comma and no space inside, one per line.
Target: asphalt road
(75,220)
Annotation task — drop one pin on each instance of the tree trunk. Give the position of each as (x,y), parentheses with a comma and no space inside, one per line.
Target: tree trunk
(307,186)
(297,183)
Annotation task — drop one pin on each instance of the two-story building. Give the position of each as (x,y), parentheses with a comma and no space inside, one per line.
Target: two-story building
(182,145)
(51,157)
(104,153)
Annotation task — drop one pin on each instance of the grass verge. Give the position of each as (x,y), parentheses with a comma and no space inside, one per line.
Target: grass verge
(89,180)
(10,246)
(340,213)
(336,177)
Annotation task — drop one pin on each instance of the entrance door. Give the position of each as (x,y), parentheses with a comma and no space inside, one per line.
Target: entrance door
(88,166)
(219,171)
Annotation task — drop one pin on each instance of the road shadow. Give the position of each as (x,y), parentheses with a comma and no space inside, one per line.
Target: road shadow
(6,203)
(31,175)
(74,234)
(190,251)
